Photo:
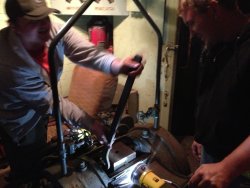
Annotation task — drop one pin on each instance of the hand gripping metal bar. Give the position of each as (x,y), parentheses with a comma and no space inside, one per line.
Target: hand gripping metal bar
(120,108)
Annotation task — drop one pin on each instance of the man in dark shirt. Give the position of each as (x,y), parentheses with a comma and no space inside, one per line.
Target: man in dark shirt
(223,115)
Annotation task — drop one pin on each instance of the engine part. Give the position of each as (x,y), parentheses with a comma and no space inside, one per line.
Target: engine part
(150,160)
(77,138)
(121,155)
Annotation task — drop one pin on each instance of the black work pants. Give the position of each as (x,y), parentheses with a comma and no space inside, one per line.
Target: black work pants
(25,157)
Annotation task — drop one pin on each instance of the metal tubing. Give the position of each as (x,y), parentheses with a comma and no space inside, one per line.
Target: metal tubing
(159,56)
(53,79)
(118,114)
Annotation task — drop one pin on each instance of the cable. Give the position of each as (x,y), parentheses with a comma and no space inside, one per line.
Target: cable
(172,183)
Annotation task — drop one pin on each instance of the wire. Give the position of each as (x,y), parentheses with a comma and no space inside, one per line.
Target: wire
(166,145)
(172,183)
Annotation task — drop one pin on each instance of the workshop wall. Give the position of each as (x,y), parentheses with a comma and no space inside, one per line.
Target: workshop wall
(3,17)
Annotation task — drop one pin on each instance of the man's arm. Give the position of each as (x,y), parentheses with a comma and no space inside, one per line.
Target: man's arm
(239,160)
(82,52)
(221,174)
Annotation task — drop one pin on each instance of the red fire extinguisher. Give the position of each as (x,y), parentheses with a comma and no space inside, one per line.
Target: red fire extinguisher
(100,32)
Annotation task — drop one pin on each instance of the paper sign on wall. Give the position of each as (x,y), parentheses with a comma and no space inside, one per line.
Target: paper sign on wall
(104,7)
(2,11)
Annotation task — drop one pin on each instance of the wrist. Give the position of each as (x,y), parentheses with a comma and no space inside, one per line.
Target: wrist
(231,168)
(115,67)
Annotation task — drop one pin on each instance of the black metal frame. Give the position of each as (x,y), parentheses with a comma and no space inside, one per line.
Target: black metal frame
(53,75)
(159,56)
(53,79)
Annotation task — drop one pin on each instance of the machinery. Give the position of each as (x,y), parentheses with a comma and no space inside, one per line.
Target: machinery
(139,156)
(142,157)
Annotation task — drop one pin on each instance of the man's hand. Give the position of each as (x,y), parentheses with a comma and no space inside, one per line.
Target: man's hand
(98,129)
(127,66)
(214,175)
(196,150)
